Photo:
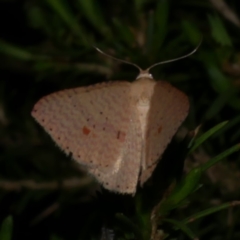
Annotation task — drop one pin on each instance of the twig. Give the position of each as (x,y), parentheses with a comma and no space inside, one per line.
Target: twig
(226,11)
(32,184)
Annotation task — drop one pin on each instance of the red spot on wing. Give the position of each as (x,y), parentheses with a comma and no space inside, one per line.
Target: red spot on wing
(86,130)
(121,136)
(160,129)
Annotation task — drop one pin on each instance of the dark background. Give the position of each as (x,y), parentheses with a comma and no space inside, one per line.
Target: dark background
(46,45)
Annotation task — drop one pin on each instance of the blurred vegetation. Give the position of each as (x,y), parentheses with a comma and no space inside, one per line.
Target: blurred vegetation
(47,45)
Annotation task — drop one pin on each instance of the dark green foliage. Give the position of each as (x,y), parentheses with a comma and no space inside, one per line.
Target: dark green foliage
(47,45)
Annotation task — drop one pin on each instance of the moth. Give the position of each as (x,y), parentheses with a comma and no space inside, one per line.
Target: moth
(117,130)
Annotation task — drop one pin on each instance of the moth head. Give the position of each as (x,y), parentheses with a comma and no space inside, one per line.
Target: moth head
(144,74)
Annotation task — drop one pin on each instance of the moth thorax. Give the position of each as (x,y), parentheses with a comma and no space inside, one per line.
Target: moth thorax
(142,91)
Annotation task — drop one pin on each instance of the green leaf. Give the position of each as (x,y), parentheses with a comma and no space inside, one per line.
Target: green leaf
(124,32)
(200,140)
(191,182)
(220,83)
(219,157)
(191,31)
(219,32)
(14,51)
(215,107)
(183,189)
(54,237)
(63,10)
(139,4)
(209,211)
(6,229)
(130,225)
(18,52)
(191,136)
(160,24)
(232,123)
(182,226)
(36,18)
(92,12)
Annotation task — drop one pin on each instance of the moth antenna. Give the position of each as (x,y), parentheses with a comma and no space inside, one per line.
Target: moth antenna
(176,59)
(117,59)
(146,72)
